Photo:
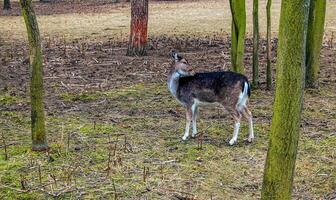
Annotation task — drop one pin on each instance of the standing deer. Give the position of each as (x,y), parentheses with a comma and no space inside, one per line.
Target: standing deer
(229,89)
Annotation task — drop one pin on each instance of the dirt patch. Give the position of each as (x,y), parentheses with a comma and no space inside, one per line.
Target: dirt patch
(115,130)
(86,66)
(65,7)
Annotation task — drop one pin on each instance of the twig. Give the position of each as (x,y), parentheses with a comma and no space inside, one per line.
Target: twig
(40,174)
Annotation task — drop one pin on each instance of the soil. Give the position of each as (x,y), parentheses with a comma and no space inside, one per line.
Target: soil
(76,71)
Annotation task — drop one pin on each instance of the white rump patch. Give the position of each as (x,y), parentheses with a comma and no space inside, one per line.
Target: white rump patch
(243,96)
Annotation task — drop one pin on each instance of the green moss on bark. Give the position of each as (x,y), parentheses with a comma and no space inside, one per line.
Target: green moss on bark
(268,46)
(238,29)
(284,135)
(255,80)
(314,41)
(39,140)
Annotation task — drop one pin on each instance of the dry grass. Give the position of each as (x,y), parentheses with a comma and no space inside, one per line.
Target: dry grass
(114,130)
(171,18)
(110,118)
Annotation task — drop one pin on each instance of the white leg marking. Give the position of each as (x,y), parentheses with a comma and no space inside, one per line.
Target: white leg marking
(188,116)
(251,134)
(235,134)
(186,133)
(194,118)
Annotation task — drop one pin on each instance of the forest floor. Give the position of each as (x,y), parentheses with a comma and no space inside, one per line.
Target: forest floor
(115,131)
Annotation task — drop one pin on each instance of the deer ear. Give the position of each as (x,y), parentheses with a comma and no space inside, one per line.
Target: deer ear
(175,56)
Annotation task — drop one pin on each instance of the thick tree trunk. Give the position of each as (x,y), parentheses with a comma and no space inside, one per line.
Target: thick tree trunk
(138,36)
(39,140)
(284,135)
(268,47)
(314,41)
(255,81)
(7,5)
(238,29)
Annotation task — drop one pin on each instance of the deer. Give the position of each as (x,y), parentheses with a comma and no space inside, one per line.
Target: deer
(229,89)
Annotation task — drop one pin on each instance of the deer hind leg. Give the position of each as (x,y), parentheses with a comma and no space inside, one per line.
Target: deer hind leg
(248,116)
(236,116)
(188,116)
(194,110)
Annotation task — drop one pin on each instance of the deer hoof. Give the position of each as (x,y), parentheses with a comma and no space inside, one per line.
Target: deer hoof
(250,140)
(232,142)
(184,138)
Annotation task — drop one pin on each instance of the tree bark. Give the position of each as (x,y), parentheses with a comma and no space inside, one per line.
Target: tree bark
(255,80)
(284,135)
(314,41)
(138,35)
(268,47)
(238,29)
(7,5)
(39,139)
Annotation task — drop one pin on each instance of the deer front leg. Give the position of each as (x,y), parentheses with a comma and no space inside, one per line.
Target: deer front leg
(194,110)
(188,116)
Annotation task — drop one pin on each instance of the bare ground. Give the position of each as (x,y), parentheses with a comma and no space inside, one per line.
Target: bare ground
(115,131)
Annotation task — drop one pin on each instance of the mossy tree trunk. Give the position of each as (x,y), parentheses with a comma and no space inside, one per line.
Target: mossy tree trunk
(238,29)
(268,46)
(255,80)
(284,134)
(39,139)
(138,34)
(7,5)
(314,41)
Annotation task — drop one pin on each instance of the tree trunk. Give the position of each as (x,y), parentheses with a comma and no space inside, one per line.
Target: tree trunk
(314,41)
(7,5)
(39,140)
(138,36)
(284,135)
(255,81)
(268,47)
(238,29)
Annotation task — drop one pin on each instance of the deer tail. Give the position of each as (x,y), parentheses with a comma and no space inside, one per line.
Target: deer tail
(244,95)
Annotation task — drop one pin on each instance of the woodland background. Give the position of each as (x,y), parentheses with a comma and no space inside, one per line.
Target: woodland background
(114,129)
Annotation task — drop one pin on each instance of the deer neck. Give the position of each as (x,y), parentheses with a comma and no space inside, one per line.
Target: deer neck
(173,82)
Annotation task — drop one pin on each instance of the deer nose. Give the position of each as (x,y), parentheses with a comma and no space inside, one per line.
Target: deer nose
(191,71)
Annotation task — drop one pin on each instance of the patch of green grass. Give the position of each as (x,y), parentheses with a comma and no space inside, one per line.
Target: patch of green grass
(84,97)
(147,134)
(132,91)
(14,118)
(8,100)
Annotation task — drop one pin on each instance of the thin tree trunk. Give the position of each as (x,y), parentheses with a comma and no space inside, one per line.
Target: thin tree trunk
(39,140)
(314,41)
(268,47)
(284,135)
(138,36)
(255,81)
(7,5)
(238,29)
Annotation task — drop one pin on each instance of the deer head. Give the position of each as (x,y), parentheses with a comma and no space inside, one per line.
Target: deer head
(181,65)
